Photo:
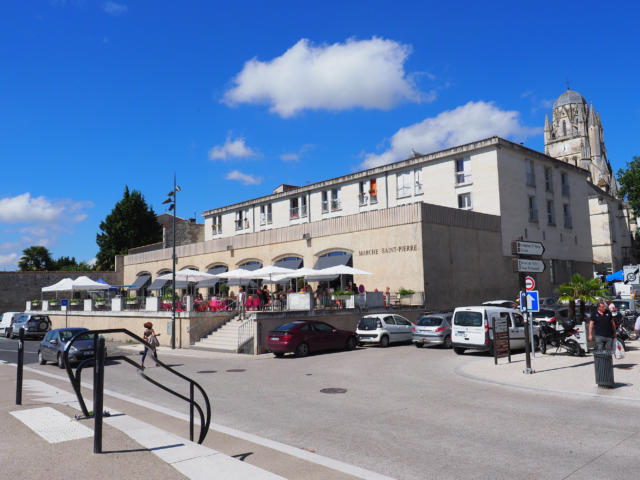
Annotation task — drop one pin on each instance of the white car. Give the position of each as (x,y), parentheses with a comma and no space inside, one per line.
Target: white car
(6,323)
(383,329)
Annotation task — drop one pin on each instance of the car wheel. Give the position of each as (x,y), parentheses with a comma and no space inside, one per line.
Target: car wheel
(43,326)
(41,359)
(7,333)
(351,343)
(419,345)
(60,361)
(447,342)
(302,350)
(542,345)
(458,350)
(278,354)
(384,341)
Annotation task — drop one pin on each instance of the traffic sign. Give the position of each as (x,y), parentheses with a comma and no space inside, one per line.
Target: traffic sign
(529,283)
(520,247)
(531,302)
(64,302)
(528,266)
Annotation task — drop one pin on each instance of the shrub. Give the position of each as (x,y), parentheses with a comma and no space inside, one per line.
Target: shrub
(405,291)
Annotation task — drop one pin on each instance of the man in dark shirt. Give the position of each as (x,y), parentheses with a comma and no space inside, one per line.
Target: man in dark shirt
(603,326)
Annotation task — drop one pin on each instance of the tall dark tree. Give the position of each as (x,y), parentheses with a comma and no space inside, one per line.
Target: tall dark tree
(131,223)
(629,180)
(36,258)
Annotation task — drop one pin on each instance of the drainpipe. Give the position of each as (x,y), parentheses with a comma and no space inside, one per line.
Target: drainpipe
(386,189)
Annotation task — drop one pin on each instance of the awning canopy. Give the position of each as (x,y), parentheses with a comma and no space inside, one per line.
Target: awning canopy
(615,276)
(85,283)
(292,263)
(212,282)
(140,282)
(328,261)
(158,284)
(111,287)
(235,282)
(66,284)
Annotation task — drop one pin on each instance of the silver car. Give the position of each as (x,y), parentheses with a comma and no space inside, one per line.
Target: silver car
(432,329)
(52,346)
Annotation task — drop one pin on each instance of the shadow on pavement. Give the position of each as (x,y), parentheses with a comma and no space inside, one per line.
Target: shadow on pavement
(242,456)
(136,450)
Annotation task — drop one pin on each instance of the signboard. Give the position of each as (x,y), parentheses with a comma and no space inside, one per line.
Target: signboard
(64,302)
(531,302)
(500,339)
(631,274)
(528,266)
(529,283)
(520,247)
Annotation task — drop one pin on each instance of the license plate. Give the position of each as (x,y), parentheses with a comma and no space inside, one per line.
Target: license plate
(460,334)
(275,339)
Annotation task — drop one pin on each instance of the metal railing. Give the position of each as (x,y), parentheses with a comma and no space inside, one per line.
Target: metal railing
(205,415)
(363,199)
(246,332)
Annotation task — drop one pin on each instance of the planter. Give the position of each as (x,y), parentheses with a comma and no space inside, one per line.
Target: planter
(411,299)
(100,304)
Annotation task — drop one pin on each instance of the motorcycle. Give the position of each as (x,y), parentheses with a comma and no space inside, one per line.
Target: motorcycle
(551,336)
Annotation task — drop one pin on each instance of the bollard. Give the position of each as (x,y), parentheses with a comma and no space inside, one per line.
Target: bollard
(191,411)
(98,395)
(20,364)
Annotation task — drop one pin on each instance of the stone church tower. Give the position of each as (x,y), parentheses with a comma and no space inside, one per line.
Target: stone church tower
(575,136)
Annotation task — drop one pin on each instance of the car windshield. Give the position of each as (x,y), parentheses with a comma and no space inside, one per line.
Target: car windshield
(621,305)
(368,323)
(468,319)
(287,326)
(429,321)
(67,334)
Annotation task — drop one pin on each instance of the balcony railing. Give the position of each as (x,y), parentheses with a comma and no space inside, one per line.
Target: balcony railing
(565,189)
(363,199)
(216,229)
(418,189)
(325,206)
(531,180)
(462,177)
(242,224)
(335,204)
(303,211)
(294,213)
(533,215)
(265,219)
(568,222)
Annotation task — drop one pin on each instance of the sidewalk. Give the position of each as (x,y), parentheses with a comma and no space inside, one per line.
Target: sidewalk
(42,439)
(560,373)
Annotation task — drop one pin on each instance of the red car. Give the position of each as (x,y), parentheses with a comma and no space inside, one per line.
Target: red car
(302,337)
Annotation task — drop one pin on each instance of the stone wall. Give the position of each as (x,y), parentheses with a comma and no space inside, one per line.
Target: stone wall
(18,287)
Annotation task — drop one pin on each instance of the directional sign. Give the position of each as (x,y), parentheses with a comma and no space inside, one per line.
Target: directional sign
(531,303)
(527,248)
(529,283)
(526,265)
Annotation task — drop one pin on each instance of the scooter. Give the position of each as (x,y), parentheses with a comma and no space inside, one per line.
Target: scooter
(550,336)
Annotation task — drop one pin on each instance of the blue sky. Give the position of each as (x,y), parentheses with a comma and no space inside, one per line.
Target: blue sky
(239,97)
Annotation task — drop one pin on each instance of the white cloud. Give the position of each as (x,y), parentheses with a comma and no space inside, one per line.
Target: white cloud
(473,121)
(232,149)
(367,74)
(295,156)
(246,179)
(25,208)
(9,262)
(92,262)
(115,9)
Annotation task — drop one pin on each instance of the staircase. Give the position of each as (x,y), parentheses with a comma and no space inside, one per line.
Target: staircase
(234,336)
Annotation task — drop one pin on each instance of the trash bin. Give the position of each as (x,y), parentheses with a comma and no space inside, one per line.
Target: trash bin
(603,364)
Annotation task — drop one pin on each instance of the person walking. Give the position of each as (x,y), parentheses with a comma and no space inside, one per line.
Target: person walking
(636,327)
(242,302)
(603,325)
(149,336)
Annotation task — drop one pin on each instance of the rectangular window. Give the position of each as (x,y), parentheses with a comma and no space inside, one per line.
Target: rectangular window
(566,210)
(548,179)
(373,191)
(293,208)
(551,213)
(363,198)
(216,225)
(533,209)
(464,201)
(404,184)
(239,220)
(417,179)
(335,199)
(531,174)
(564,178)
(463,170)
(265,214)
(552,271)
(325,201)
(303,206)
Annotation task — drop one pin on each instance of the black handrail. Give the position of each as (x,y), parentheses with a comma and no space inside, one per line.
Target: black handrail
(205,419)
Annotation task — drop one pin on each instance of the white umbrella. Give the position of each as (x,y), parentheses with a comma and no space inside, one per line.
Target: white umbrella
(241,273)
(343,270)
(85,283)
(188,275)
(270,271)
(300,272)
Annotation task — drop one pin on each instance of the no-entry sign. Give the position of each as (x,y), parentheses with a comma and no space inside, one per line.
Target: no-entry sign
(529,283)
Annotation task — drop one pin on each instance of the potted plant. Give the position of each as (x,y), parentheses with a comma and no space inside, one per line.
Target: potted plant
(131,300)
(99,301)
(74,301)
(35,302)
(53,303)
(405,295)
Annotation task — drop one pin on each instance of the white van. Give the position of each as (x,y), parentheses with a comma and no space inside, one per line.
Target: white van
(472,328)
(6,322)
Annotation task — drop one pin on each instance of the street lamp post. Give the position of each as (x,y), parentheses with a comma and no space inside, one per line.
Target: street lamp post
(171,199)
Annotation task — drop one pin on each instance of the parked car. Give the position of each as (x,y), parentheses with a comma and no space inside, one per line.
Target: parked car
(432,329)
(6,322)
(558,312)
(501,303)
(548,301)
(52,346)
(305,336)
(471,328)
(628,309)
(383,329)
(35,325)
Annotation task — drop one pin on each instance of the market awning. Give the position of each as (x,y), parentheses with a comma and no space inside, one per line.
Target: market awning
(157,284)
(212,282)
(615,276)
(330,261)
(140,282)
(292,263)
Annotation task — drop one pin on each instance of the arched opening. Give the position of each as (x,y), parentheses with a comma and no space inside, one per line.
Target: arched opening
(335,282)
(250,286)
(215,286)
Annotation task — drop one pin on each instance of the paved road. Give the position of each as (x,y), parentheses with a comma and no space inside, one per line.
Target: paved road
(405,413)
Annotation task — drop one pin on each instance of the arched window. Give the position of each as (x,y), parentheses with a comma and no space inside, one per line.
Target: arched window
(564,128)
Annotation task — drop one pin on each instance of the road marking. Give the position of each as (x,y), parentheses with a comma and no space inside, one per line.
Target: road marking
(52,425)
(274,445)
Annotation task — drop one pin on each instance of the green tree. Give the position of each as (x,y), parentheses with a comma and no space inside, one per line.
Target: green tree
(70,265)
(584,289)
(35,258)
(629,180)
(131,223)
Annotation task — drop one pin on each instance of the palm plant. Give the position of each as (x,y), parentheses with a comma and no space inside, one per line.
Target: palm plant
(584,289)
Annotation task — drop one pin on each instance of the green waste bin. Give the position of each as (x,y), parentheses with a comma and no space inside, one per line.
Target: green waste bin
(603,364)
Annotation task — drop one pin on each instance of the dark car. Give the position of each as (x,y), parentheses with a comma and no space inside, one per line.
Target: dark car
(302,337)
(34,325)
(52,346)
